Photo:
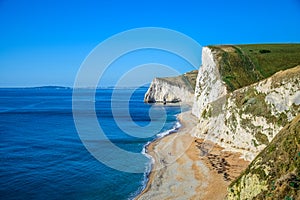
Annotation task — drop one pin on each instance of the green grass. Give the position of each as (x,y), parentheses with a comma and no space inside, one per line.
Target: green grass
(190,78)
(242,65)
(187,80)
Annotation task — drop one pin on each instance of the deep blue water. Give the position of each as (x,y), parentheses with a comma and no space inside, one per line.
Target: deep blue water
(42,156)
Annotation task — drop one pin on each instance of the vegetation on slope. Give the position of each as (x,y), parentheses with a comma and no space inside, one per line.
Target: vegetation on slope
(275,172)
(242,65)
(188,80)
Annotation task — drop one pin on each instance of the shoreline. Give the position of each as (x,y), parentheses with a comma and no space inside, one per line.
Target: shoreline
(151,145)
(185,167)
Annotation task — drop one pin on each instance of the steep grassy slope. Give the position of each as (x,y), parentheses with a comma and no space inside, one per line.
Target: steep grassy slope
(275,172)
(242,65)
(190,78)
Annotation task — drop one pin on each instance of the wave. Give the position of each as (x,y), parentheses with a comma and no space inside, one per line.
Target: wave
(173,130)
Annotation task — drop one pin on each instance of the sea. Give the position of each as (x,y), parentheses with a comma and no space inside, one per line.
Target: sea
(42,156)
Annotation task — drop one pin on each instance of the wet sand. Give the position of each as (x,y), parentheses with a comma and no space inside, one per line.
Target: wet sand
(189,168)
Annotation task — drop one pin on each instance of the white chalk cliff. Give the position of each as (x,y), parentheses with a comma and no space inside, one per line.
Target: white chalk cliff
(172,89)
(244,120)
(209,86)
(247,119)
(242,101)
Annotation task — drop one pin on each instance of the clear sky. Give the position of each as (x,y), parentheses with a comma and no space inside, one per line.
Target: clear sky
(45,42)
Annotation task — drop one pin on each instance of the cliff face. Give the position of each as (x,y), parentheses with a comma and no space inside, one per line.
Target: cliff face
(247,119)
(247,100)
(275,172)
(172,89)
(209,85)
(239,101)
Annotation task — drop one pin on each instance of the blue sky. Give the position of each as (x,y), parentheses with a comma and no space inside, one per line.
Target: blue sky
(45,42)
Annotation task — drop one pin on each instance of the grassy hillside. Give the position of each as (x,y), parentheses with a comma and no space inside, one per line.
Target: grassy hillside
(242,65)
(275,172)
(188,80)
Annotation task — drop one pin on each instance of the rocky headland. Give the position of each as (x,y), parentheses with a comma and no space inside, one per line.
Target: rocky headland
(245,112)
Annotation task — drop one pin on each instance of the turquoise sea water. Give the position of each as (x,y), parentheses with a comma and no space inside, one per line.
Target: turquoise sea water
(42,156)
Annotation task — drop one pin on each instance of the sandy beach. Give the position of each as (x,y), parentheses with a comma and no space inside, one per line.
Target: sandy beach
(189,168)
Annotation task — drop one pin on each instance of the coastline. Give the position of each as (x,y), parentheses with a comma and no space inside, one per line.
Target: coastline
(185,167)
(149,147)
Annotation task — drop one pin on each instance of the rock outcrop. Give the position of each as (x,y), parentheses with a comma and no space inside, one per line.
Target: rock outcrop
(172,89)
